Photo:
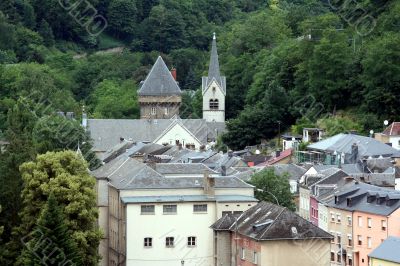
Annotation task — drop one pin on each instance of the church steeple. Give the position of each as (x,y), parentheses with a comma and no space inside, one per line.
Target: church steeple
(213,70)
(214,89)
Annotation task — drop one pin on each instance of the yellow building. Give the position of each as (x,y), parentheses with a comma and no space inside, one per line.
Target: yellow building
(387,253)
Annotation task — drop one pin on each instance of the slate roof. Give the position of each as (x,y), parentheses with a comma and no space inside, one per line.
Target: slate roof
(188,198)
(393,129)
(106,133)
(353,197)
(293,171)
(159,82)
(388,250)
(213,69)
(182,168)
(284,154)
(342,143)
(267,221)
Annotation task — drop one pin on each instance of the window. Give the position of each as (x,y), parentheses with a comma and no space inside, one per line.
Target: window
(332,217)
(153,110)
(350,261)
(339,218)
(383,223)
(214,104)
(169,242)
(359,221)
(349,240)
(339,238)
(339,258)
(369,242)
(148,242)
(255,257)
(242,253)
(369,221)
(333,239)
(191,241)
(169,209)
(166,111)
(349,222)
(200,208)
(359,238)
(147,209)
(332,256)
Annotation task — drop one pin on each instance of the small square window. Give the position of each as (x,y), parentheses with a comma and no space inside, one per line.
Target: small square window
(349,222)
(338,218)
(148,242)
(369,242)
(255,257)
(359,238)
(169,209)
(169,242)
(383,223)
(332,256)
(191,241)
(153,110)
(369,220)
(200,208)
(147,209)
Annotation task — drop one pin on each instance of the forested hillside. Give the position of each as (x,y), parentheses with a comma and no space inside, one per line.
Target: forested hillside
(288,63)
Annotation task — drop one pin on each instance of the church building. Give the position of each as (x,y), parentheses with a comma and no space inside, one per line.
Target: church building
(159,100)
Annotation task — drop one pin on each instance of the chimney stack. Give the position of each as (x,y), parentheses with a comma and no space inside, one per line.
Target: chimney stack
(173,73)
(209,184)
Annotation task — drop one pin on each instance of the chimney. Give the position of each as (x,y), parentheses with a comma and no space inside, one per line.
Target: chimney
(209,184)
(223,170)
(173,73)
(354,153)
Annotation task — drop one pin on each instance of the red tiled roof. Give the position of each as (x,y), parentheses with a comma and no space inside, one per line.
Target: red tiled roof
(283,155)
(393,129)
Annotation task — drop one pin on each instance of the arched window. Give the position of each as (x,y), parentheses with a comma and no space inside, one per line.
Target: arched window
(213,104)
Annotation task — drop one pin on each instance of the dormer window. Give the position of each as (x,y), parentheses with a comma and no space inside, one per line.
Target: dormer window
(214,104)
(153,110)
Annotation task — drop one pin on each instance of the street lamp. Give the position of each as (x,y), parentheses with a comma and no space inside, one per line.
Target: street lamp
(371,133)
(262,190)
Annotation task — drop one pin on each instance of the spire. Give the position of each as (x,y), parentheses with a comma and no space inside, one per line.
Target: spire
(213,71)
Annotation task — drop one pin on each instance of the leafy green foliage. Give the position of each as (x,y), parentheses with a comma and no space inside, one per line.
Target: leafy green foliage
(273,188)
(50,240)
(65,175)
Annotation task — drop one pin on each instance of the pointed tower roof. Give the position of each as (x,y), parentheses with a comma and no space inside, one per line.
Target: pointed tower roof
(213,70)
(159,82)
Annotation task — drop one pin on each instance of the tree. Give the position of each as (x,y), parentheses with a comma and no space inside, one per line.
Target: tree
(65,175)
(50,242)
(273,188)
(46,32)
(122,17)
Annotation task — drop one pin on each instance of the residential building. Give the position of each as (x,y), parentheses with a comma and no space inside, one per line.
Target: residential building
(312,134)
(146,210)
(387,253)
(345,149)
(391,135)
(290,141)
(268,234)
(375,215)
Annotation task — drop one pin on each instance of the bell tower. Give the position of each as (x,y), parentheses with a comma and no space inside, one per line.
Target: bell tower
(214,89)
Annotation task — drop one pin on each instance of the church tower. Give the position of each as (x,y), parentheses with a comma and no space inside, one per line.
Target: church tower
(159,94)
(214,89)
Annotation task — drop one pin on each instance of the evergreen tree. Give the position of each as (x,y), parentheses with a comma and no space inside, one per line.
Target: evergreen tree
(46,32)
(50,242)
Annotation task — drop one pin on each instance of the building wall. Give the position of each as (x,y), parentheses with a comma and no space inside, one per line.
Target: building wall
(180,226)
(102,204)
(376,234)
(378,262)
(314,252)
(223,207)
(394,223)
(246,251)
(214,115)
(397,183)
(313,211)
(323,218)
(395,140)
(165,107)
(340,223)
(304,206)
(178,133)
(223,248)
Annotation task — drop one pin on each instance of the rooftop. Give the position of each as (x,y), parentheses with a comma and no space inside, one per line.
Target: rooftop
(159,82)
(393,129)
(267,221)
(388,250)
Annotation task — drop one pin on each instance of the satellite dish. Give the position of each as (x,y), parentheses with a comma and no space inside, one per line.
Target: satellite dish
(386,122)
(294,230)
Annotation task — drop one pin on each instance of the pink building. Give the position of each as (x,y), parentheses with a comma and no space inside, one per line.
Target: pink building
(375,216)
(314,210)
